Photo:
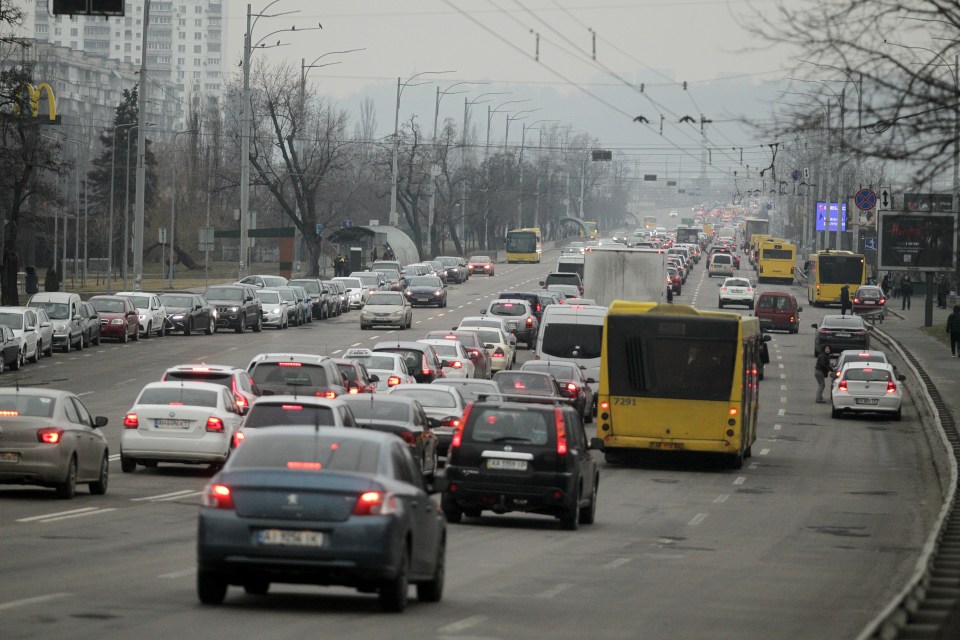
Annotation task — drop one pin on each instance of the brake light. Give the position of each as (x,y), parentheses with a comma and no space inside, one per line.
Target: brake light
(50,435)
(450,421)
(407,437)
(291,407)
(498,353)
(353,391)
(297,465)
(842,385)
(891,387)
(374,503)
(456,364)
(289,364)
(723,288)
(561,432)
(200,369)
(530,322)
(519,385)
(240,399)
(238,438)
(218,496)
(539,308)
(130,421)
(329,395)
(791,319)
(393,381)
(604,405)
(9,413)
(507,305)
(573,388)
(733,410)
(883,300)
(856,300)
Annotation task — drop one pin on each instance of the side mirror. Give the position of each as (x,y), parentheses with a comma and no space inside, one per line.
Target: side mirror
(31,329)
(513,341)
(814,325)
(488,346)
(245,409)
(799,309)
(766,337)
(445,363)
(595,443)
(433,423)
(78,317)
(266,392)
(44,325)
(100,421)
(591,381)
(374,378)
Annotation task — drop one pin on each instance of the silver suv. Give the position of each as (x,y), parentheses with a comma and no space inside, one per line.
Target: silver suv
(519,316)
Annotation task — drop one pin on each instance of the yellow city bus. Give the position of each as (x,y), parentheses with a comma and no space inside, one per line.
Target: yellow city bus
(776,261)
(827,271)
(649,222)
(524,245)
(591,228)
(673,378)
(754,242)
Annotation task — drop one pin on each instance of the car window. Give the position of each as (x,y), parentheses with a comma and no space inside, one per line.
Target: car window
(82,412)
(13,320)
(71,410)
(271,414)
(15,404)
(108,306)
(401,469)
(498,424)
(224,293)
(177,395)
(380,409)
(507,309)
(274,375)
(867,374)
(308,452)
(270,297)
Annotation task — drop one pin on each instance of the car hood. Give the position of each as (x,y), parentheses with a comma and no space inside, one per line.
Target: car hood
(225,303)
(108,315)
(179,309)
(272,306)
(421,288)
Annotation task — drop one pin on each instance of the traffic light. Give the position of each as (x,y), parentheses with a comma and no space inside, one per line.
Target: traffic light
(88,7)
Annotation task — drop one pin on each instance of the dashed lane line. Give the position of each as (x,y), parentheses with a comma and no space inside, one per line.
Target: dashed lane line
(697,519)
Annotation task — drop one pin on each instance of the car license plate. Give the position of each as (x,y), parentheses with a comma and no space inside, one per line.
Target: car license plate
(423,298)
(507,465)
(842,335)
(867,401)
(9,457)
(171,424)
(666,445)
(288,538)
(869,302)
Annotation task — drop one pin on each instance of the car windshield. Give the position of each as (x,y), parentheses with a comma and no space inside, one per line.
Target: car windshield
(171,301)
(215,377)
(780,303)
(488,337)
(449,262)
(389,299)
(424,281)
(12,320)
(559,370)
(480,259)
(288,295)
(140,302)
(502,425)
(843,322)
(56,310)
(352,283)
(380,409)
(370,279)
(177,395)
(311,286)
(446,350)
(307,451)
(273,414)
(274,281)
(233,294)
(269,297)
(508,309)
(15,404)
(427,397)
(107,306)
(520,382)
(289,377)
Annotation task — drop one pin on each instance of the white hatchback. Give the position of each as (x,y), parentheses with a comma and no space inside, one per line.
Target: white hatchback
(390,368)
(868,387)
(455,355)
(736,291)
(501,347)
(182,422)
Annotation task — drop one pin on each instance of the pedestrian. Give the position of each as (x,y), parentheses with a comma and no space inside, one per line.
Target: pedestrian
(953,330)
(897,281)
(943,288)
(845,300)
(821,371)
(338,264)
(906,291)
(885,284)
(375,258)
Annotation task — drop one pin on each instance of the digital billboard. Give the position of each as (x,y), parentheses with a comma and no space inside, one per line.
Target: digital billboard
(828,221)
(917,241)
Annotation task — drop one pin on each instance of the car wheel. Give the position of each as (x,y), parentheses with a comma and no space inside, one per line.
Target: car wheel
(81,342)
(570,518)
(127,465)
(162,331)
(49,352)
(2,365)
(68,488)
(68,345)
(259,326)
(123,338)
(432,589)
(146,334)
(136,335)
(211,589)
(735,460)
(588,514)
(587,415)
(37,353)
(835,413)
(212,329)
(898,415)
(393,592)
(242,327)
(99,487)
(188,327)
(451,512)
(97,341)
(18,362)
(720,304)
(750,306)
(256,587)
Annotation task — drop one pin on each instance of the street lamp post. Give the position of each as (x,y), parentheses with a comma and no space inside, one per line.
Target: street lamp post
(126,214)
(173,211)
(113,166)
(523,138)
(486,152)
(463,158)
(517,116)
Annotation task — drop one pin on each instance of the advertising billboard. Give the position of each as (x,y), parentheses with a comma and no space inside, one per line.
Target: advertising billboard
(828,220)
(924,202)
(916,241)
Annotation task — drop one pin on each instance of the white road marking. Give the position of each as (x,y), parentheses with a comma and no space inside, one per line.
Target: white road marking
(783,387)
(619,562)
(764,452)
(418,322)
(338,351)
(697,519)
(753,465)
(164,496)
(92,512)
(782,412)
(183,573)
(374,337)
(233,348)
(721,499)
(54,515)
(560,588)
(777,427)
(461,625)
(740,480)
(783,376)
(356,344)
(27,601)
(783,399)
(119,384)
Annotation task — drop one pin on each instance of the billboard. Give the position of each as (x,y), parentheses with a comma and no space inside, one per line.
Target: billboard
(828,220)
(916,241)
(938,202)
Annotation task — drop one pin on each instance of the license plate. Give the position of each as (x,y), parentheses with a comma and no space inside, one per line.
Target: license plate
(842,335)
(666,445)
(171,424)
(869,302)
(508,465)
(288,538)
(423,298)
(9,457)
(867,400)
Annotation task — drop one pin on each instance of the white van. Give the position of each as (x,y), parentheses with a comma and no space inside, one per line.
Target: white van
(572,333)
(64,311)
(571,264)
(721,264)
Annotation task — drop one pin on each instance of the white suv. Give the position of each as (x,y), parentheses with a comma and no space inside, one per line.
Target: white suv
(736,291)
(151,314)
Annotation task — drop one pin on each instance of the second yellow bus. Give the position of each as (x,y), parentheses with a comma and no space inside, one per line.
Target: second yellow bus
(776,261)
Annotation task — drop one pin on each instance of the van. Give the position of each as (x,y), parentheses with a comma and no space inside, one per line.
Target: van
(721,264)
(572,333)
(778,310)
(570,264)
(64,312)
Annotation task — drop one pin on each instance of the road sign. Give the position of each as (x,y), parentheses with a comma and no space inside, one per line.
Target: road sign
(346,223)
(163,236)
(870,242)
(806,173)
(319,228)
(884,199)
(865,199)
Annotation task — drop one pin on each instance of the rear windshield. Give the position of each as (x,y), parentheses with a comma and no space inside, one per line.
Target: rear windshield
(380,410)
(737,283)
(510,382)
(470,390)
(496,425)
(780,303)
(223,379)
(427,397)
(12,320)
(722,258)
(446,350)
(14,404)
(868,375)
(508,309)
(563,278)
(107,306)
(311,286)
(330,453)
(289,377)
(224,293)
(559,370)
(843,322)
(377,362)
(411,358)
(177,395)
(568,340)
(290,413)
(270,297)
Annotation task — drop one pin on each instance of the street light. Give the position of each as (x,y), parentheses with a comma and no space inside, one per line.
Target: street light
(113,165)
(304,67)
(490,114)
(523,138)
(173,210)
(516,116)
(463,157)
(394,217)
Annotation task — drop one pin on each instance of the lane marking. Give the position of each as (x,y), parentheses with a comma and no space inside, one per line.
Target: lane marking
(782,412)
(374,337)
(95,512)
(338,351)
(764,452)
(461,625)
(560,588)
(781,366)
(783,376)
(697,519)
(783,399)
(164,496)
(753,465)
(36,600)
(721,499)
(777,427)
(54,515)
(619,562)
(85,393)
(356,344)
(783,387)
(178,574)
(740,480)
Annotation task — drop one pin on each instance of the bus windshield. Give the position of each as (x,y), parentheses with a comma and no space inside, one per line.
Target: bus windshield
(841,269)
(521,242)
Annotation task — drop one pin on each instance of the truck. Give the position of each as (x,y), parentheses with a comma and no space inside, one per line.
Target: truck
(688,235)
(571,263)
(752,226)
(624,274)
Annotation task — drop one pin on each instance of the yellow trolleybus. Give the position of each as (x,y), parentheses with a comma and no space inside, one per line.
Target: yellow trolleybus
(828,271)
(776,260)
(524,245)
(673,378)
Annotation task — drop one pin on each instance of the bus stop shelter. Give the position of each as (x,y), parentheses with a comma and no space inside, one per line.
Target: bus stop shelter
(381,237)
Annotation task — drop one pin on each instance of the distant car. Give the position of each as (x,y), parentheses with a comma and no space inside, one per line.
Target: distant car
(470,388)
(500,346)
(521,319)
(299,307)
(276,310)
(420,359)
(357,377)
(237,380)
(568,290)
(48,438)
(373,280)
(736,291)
(340,295)
(840,332)
(357,294)
(237,307)
(386,307)
(857,355)
(573,383)
(474,348)
(320,303)
(868,387)
(443,404)
(151,314)
(778,310)
(118,317)
(516,384)
(366,521)
(390,368)
(426,290)
(454,358)
(264,281)
(26,327)
(404,418)
(189,312)
(179,422)
(480,264)
(295,410)
(563,277)
(455,268)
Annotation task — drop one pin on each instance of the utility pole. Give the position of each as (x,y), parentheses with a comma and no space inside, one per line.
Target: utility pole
(141,156)
(394,218)
(245,152)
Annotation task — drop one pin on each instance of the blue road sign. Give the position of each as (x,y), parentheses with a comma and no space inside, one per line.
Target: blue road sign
(346,223)
(319,228)
(865,199)
(870,243)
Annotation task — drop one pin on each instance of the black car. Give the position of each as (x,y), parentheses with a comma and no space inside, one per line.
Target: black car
(91,324)
(426,290)
(532,457)
(840,332)
(188,312)
(320,303)
(340,295)
(11,356)
(454,268)
(421,359)
(238,307)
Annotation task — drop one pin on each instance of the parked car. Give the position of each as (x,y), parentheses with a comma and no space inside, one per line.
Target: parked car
(404,418)
(188,312)
(237,307)
(151,314)
(840,332)
(63,311)
(321,306)
(91,325)
(339,294)
(118,317)
(52,440)
(45,330)
(276,310)
(298,306)
(237,380)
(25,325)
(426,290)
(357,294)
(11,354)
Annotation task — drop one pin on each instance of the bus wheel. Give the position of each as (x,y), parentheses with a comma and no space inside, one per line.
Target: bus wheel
(735,461)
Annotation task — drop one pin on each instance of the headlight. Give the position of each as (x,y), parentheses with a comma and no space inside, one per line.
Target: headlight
(396,313)
(438,292)
(141,316)
(408,292)
(61,327)
(117,321)
(233,309)
(179,316)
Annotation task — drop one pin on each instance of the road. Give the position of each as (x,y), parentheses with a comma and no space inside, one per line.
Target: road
(808,540)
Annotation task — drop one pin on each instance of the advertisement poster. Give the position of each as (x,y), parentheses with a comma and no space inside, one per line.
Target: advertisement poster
(924,202)
(828,221)
(917,242)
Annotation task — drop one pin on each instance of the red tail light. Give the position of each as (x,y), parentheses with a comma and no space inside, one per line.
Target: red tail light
(456,364)
(883,300)
(530,320)
(891,387)
(329,395)
(458,434)
(572,389)
(450,421)
(130,421)
(561,432)
(498,353)
(238,438)
(408,437)
(842,386)
(353,391)
(218,496)
(791,319)
(214,424)
(289,364)
(539,308)
(393,381)
(374,503)
(856,300)
(50,435)
(238,397)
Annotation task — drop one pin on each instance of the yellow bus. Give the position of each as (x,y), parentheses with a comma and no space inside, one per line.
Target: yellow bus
(827,271)
(753,248)
(524,245)
(776,261)
(673,378)
(591,228)
(649,222)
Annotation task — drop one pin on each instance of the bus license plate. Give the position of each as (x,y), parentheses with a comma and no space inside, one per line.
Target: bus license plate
(507,465)
(666,445)
(288,538)
(867,401)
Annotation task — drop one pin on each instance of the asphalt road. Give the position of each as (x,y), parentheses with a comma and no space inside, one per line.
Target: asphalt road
(808,540)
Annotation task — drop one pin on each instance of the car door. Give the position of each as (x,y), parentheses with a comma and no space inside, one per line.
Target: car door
(31,333)
(76,320)
(81,426)
(233,419)
(130,313)
(421,508)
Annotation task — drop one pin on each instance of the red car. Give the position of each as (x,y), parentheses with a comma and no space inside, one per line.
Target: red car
(480,264)
(357,378)
(674,281)
(118,317)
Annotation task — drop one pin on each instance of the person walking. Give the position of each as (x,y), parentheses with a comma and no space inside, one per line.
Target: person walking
(885,284)
(906,291)
(897,281)
(943,288)
(821,370)
(845,300)
(953,330)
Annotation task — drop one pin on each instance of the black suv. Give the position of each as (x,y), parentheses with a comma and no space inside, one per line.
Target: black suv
(512,456)
(238,306)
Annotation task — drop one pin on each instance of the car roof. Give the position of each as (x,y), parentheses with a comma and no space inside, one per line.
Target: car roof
(402,344)
(866,353)
(304,399)
(35,391)
(440,341)
(304,358)
(463,382)
(204,368)
(184,384)
(886,366)
(840,319)
(423,387)
(509,301)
